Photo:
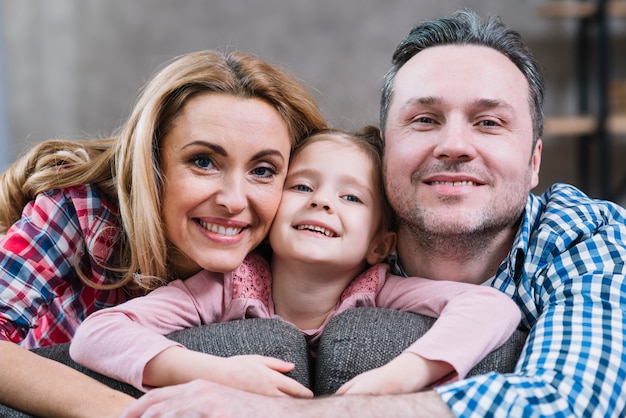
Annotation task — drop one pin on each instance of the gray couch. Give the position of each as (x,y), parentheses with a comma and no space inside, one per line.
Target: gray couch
(353,342)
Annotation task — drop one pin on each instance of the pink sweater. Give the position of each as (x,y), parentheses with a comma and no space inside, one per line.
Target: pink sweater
(120,341)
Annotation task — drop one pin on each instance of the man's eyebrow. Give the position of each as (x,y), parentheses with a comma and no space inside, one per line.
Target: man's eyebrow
(483,103)
(491,104)
(423,100)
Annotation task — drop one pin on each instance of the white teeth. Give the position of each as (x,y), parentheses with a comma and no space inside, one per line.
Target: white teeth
(454,183)
(219,229)
(316,229)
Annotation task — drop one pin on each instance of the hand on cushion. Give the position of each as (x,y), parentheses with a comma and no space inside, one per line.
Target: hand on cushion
(404,374)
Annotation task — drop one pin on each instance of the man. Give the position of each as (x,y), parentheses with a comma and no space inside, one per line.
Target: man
(462,118)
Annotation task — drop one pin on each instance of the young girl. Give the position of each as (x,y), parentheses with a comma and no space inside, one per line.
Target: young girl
(331,233)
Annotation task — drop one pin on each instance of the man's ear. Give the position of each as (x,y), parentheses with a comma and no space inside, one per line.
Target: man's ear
(382,245)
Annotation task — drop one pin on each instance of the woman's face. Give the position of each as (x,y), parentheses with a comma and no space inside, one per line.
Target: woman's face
(224,164)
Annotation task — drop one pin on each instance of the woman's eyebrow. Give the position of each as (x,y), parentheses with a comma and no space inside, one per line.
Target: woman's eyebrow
(216,148)
(268,152)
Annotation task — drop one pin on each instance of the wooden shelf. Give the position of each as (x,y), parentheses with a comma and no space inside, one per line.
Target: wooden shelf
(582,125)
(617,124)
(617,8)
(570,125)
(567,8)
(579,9)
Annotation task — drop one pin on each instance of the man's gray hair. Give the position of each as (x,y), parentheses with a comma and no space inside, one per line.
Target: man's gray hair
(466,27)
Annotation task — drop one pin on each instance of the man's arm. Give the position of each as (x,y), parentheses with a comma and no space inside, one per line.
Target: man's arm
(570,366)
(212,400)
(44,387)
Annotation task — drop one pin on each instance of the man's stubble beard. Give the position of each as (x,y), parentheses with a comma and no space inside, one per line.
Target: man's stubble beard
(462,236)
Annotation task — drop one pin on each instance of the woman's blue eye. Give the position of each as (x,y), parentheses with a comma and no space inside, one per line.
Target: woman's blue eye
(302,188)
(203,162)
(264,172)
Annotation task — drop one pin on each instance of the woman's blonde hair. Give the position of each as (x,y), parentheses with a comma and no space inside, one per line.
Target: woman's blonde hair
(127,168)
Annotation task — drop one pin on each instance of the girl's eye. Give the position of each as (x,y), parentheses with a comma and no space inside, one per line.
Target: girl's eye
(302,188)
(203,162)
(351,198)
(264,172)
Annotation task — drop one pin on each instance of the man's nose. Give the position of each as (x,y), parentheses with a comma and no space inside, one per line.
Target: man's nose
(455,142)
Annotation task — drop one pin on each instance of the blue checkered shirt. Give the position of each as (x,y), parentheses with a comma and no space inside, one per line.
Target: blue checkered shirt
(566,272)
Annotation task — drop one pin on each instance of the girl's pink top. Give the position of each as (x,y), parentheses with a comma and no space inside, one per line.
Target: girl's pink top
(119,341)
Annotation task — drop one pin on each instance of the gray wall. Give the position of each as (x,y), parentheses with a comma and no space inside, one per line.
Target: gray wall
(73,68)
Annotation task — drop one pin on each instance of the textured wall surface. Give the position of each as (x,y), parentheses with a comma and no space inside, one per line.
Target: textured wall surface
(73,68)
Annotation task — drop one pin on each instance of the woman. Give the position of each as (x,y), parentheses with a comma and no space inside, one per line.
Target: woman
(192,182)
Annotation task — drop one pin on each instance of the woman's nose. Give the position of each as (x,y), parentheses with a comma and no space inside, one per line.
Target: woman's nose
(232,194)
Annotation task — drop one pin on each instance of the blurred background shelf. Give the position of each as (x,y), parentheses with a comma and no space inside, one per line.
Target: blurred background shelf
(557,9)
(582,125)
(617,125)
(570,125)
(601,100)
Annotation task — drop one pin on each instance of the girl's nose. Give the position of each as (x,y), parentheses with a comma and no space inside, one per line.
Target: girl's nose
(319,201)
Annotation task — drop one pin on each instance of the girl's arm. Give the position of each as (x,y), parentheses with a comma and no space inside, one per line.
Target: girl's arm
(128,342)
(252,373)
(472,321)
(119,341)
(47,388)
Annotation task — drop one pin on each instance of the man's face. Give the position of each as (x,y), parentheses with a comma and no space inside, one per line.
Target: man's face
(459,156)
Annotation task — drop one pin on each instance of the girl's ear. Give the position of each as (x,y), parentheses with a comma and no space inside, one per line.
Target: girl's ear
(382,245)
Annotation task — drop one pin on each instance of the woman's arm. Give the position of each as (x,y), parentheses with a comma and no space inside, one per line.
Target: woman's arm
(44,387)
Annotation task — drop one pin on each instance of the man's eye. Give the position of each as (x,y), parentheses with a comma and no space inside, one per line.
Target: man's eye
(488,123)
(424,119)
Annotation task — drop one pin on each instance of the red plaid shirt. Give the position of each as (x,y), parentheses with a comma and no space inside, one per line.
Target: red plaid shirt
(42,299)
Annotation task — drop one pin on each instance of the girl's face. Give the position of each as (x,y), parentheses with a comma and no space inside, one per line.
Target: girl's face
(224,164)
(331,211)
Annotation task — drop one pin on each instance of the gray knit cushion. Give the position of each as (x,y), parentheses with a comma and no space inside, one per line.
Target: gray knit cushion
(362,339)
(268,337)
